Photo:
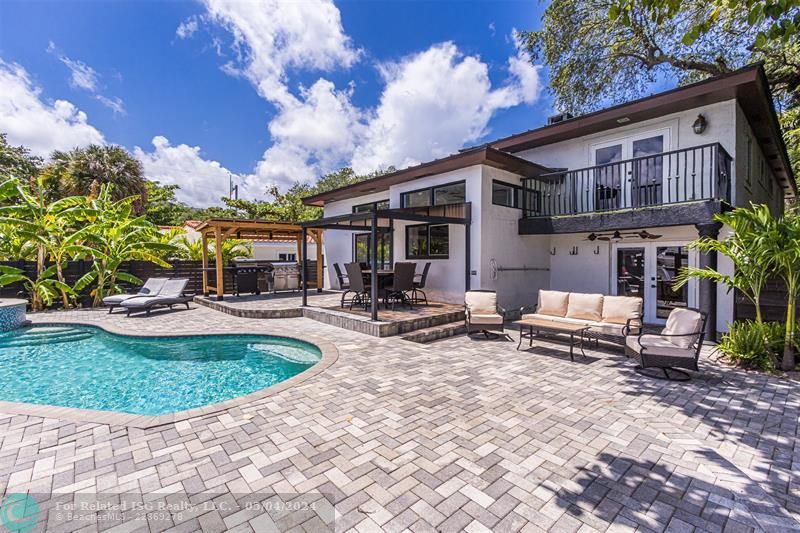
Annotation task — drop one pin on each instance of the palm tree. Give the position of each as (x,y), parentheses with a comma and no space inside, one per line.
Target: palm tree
(193,249)
(83,170)
(112,237)
(749,254)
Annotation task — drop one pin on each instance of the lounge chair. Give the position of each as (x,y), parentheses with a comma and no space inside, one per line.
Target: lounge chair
(151,287)
(483,314)
(678,345)
(170,294)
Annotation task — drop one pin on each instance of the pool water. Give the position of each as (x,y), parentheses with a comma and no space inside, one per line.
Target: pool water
(89,368)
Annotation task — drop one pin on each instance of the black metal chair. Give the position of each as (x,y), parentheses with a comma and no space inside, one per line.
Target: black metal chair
(419,285)
(344,284)
(358,286)
(402,284)
(677,347)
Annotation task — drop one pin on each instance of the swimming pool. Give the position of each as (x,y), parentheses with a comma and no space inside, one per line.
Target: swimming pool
(88,368)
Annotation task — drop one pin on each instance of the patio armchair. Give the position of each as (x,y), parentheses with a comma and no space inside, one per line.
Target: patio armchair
(151,287)
(402,284)
(170,294)
(344,284)
(419,284)
(482,313)
(358,286)
(678,346)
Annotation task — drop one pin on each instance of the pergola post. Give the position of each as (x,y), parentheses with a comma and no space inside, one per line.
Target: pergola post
(373,244)
(320,269)
(304,264)
(219,266)
(204,237)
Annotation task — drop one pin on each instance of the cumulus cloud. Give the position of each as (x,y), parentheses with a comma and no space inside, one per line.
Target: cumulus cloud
(82,76)
(41,125)
(187,28)
(202,182)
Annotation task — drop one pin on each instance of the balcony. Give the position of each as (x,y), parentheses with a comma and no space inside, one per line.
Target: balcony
(677,177)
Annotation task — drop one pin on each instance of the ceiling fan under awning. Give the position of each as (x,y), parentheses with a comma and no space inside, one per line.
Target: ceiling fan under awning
(618,236)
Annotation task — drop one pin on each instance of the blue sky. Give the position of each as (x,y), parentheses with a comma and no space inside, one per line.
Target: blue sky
(270,91)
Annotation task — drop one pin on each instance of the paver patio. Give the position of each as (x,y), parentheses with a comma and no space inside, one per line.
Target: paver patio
(458,435)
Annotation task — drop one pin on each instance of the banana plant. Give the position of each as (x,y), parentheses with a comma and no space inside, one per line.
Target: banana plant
(112,237)
(43,290)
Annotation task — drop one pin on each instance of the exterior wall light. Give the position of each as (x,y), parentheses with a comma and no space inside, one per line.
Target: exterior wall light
(700,124)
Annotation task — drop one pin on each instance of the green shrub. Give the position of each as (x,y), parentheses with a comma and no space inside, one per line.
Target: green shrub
(754,345)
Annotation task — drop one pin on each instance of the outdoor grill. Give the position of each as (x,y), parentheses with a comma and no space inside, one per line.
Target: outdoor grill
(286,276)
(255,276)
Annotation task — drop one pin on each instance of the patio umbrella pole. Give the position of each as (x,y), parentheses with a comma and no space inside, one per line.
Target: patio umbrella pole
(373,245)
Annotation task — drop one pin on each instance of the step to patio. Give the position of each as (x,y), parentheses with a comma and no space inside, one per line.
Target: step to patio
(436,332)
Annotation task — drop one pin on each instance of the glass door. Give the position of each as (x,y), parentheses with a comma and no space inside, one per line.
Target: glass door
(648,271)
(648,170)
(609,178)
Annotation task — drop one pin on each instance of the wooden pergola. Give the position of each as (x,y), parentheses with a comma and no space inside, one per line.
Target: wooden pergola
(220,229)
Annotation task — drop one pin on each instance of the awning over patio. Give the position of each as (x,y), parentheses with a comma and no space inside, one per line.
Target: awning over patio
(383,220)
(221,229)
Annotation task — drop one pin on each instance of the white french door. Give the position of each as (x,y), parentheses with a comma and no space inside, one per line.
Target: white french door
(648,270)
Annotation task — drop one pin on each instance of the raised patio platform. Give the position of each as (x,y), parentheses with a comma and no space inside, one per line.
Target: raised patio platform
(324,307)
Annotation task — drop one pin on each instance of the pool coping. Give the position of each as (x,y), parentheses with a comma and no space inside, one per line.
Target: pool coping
(330,354)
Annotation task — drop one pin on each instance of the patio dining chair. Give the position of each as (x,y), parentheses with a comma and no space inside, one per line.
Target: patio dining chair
(402,284)
(677,346)
(418,295)
(344,284)
(358,286)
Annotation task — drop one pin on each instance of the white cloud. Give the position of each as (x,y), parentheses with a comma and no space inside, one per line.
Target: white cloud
(202,182)
(187,28)
(39,125)
(82,76)
(434,103)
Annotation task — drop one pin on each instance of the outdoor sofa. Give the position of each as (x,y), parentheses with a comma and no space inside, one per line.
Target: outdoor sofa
(170,294)
(482,313)
(678,345)
(151,287)
(610,318)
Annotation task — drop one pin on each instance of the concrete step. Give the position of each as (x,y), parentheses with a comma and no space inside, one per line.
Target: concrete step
(433,333)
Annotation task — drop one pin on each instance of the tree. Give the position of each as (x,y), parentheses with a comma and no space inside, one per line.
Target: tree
(750,256)
(83,171)
(596,59)
(17,160)
(192,250)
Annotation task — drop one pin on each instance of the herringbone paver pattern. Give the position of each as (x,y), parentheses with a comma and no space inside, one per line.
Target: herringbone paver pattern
(459,435)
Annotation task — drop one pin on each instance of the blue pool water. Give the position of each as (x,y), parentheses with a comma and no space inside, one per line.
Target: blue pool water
(89,368)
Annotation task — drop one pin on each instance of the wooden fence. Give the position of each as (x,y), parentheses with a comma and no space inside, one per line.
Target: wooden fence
(192,270)
(773,303)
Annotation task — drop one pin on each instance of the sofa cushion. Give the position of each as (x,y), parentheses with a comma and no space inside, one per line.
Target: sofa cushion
(561,319)
(618,309)
(681,322)
(553,303)
(481,303)
(585,306)
(485,319)
(657,345)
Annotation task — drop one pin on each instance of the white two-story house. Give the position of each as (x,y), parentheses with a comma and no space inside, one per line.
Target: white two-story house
(602,203)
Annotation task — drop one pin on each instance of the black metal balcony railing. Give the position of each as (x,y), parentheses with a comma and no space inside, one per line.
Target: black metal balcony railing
(698,173)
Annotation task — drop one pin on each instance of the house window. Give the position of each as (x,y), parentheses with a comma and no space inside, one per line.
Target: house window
(361,249)
(506,194)
(451,193)
(371,206)
(287,257)
(428,241)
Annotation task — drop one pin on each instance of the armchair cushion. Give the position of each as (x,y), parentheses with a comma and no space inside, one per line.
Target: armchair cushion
(481,303)
(618,309)
(585,306)
(683,322)
(657,345)
(553,303)
(493,319)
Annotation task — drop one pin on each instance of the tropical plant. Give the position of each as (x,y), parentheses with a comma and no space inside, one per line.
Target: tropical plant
(43,290)
(83,170)
(112,237)
(17,160)
(749,254)
(45,226)
(753,344)
(192,250)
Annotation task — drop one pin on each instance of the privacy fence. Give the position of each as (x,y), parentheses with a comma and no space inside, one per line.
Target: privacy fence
(192,270)
(773,303)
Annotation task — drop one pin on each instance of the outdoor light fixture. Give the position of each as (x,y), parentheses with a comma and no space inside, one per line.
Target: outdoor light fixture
(616,237)
(623,120)
(700,124)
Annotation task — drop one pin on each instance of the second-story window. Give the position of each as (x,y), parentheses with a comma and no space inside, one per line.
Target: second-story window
(506,194)
(451,193)
(371,206)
